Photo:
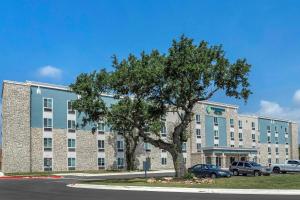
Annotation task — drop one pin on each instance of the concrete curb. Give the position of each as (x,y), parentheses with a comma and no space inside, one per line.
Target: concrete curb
(188,190)
(29,177)
(115,173)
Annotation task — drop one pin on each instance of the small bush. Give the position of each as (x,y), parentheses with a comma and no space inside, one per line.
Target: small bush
(188,175)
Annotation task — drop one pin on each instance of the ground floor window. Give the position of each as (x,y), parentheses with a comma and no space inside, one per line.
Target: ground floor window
(71,163)
(120,163)
(101,163)
(47,164)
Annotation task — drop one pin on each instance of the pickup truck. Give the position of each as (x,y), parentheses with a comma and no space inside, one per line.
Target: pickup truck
(289,166)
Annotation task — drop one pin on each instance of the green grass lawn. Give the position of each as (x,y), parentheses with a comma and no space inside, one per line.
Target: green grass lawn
(282,181)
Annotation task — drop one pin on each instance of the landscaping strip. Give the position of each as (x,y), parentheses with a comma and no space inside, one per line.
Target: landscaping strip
(29,177)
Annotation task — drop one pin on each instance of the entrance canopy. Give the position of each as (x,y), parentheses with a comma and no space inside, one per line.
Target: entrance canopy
(229,150)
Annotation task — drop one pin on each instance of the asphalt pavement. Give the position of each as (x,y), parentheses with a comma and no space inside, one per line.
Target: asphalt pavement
(56,189)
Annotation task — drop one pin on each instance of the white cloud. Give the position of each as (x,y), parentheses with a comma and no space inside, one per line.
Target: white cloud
(296,97)
(50,72)
(274,109)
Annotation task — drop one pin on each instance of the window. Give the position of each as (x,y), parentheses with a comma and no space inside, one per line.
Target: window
(269,139)
(240,124)
(241,164)
(163,130)
(285,130)
(47,124)
(163,161)
(198,121)
(269,160)
(101,163)
(231,123)
(277,161)
(277,151)
(47,105)
(253,137)
(101,145)
(216,144)
(184,160)
(101,128)
(268,129)
(247,165)
(276,129)
(120,163)
(276,140)
(47,144)
(47,164)
(216,134)
(198,147)
(293,162)
(286,140)
(71,163)
(232,145)
(269,150)
(71,126)
(71,145)
(120,146)
(253,125)
(215,121)
(232,136)
(287,151)
(184,147)
(240,137)
(147,147)
(198,133)
(70,108)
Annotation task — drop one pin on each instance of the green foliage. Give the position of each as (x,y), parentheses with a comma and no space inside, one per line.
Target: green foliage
(188,176)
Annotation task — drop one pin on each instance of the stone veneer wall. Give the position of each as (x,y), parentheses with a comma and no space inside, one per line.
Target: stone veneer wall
(16,127)
(294,141)
(37,149)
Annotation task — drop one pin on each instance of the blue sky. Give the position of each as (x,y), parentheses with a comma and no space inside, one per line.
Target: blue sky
(53,41)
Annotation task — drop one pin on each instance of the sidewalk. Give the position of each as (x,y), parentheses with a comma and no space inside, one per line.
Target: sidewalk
(115,173)
(188,190)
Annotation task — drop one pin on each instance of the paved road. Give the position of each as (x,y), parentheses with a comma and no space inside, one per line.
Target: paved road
(56,189)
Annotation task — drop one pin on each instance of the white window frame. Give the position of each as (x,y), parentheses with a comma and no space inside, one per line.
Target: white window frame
(46,147)
(101,164)
(120,163)
(101,147)
(48,168)
(47,127)
(71,148)
(198,119)
(216,134)
(163,160)
(72,128)
(72,167)
(198,133)
(120,146)
(46,107)
(70,111)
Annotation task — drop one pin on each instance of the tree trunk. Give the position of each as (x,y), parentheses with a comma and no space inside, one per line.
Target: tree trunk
(130,161)
(179,165)
(130,145)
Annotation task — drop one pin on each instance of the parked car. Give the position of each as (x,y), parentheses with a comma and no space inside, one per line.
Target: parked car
(247,167)
(206,170)
(289,166)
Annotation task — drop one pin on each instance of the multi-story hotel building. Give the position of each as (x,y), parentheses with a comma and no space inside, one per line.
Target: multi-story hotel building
(40,133)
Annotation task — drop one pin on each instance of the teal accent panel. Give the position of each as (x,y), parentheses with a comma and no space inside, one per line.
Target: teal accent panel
(222,132)
(209,131)
(263,123)
(60,99)
(281,125)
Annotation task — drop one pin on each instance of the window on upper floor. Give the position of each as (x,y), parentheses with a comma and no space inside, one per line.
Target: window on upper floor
(120,146)
(71,126)
(269,150)
(198,133)
(184,147)
(276,130)
(101,145)
(253,125)
(215,121)
(48,105)
(286,151)
(276,140)
(163,161)
(70,108)
(101,128)
(231,135)
(240,124)
(268,129)
(48,124)
(269,139)
(71,145)
(163,130)
(253,137)
(277,151)
(198,120)
(216,134)
(240,137)
(47,144)
(231,123)
(199,147)
(147,147)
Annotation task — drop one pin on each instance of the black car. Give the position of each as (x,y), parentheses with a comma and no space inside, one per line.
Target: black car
(206,170)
